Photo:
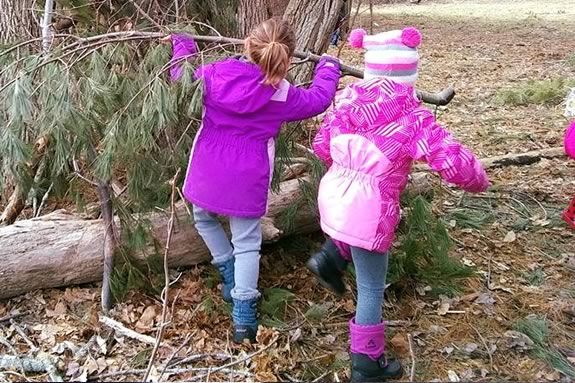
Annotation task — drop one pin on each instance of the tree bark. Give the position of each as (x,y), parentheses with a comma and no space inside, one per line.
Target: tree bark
(251,13)
(62,249)
(109,242)
(17,21)
(314,21)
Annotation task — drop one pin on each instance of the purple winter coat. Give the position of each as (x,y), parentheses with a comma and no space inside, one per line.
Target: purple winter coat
(232,158)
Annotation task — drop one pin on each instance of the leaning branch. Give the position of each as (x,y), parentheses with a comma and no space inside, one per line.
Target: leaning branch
(440,98)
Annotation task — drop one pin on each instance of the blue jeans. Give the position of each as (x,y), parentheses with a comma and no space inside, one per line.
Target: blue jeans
(370,275)
(246,241)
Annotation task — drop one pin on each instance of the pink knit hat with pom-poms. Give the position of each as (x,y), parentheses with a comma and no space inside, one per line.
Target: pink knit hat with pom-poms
(390,54)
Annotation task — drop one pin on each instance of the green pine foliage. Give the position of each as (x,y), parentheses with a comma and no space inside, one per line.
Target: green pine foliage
(423,253)
(109,114)
(537,329)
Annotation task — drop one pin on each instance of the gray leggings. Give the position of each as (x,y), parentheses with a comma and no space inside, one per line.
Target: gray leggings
(246,240)
(370,275)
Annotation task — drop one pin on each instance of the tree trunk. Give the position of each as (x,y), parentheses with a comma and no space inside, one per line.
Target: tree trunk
(251,13)
(314,21)
(61,249)
(109,242)
(17,21)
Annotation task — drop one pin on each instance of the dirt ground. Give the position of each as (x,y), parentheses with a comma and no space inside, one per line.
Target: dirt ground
(523,251)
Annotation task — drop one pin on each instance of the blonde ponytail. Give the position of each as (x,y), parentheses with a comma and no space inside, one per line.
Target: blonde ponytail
(271,45)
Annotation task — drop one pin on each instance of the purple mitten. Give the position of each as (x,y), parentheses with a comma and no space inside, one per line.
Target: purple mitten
(182,46)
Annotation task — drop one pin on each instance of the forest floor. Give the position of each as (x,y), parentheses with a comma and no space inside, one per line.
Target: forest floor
(510,62)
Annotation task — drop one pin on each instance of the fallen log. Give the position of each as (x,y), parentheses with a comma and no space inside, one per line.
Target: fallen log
(61,249)
(514,159)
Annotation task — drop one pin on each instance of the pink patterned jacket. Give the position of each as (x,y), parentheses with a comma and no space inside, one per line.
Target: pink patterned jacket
(369,140)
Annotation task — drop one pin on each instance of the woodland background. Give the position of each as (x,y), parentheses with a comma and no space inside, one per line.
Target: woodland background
(94,142)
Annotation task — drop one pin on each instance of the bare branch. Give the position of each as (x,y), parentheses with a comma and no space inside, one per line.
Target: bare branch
(166,290)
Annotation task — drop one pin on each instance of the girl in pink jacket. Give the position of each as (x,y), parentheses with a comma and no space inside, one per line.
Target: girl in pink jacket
(370,139)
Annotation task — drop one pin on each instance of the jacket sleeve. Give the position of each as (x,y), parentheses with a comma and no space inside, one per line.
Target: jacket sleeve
(306,103)
(321,144)
(454,163)
(182,46)
(569,141)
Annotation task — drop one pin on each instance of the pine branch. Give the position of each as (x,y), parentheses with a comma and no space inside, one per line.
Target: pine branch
(440,98)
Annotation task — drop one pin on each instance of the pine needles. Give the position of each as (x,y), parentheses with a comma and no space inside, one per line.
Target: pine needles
(423,255)
(537,329)
(106,114)
(544,92)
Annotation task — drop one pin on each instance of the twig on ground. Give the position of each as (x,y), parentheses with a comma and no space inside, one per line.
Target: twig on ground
(85,349)
(35,365)
(9,317)
(319,378)
(23,335)
(172,371)
(412,354)
(193,358)
(123,330)
(248,357)
(8,345)
(486,347)
(184,343)
(166,289)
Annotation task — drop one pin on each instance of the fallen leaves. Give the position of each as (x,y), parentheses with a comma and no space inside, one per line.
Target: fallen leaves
(510,237)
(399,344)
(146,321)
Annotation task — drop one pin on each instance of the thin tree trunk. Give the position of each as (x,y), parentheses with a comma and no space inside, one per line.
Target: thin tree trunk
(62,249)
(314,21)
(105,198)
(46,22)
(17,21)
(251,13)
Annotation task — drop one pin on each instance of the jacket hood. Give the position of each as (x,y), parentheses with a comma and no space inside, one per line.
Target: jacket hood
(369,104)
(237,86)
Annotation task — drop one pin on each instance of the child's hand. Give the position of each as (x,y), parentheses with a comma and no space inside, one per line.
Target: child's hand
(166,39)
(330,58)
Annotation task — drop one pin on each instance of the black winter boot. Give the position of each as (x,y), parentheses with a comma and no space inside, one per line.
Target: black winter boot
(328,266)
(365,369)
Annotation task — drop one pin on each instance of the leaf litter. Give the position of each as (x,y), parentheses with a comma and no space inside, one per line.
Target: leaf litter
(310,338)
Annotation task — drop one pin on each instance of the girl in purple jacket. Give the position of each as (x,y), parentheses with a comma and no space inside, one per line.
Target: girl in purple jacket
(232,158)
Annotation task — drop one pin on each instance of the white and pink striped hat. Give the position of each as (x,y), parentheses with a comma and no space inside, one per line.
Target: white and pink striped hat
(391,54)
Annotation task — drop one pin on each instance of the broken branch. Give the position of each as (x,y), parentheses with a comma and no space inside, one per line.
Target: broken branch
(123,330)
(40,365)
(166,277)
(412,354)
